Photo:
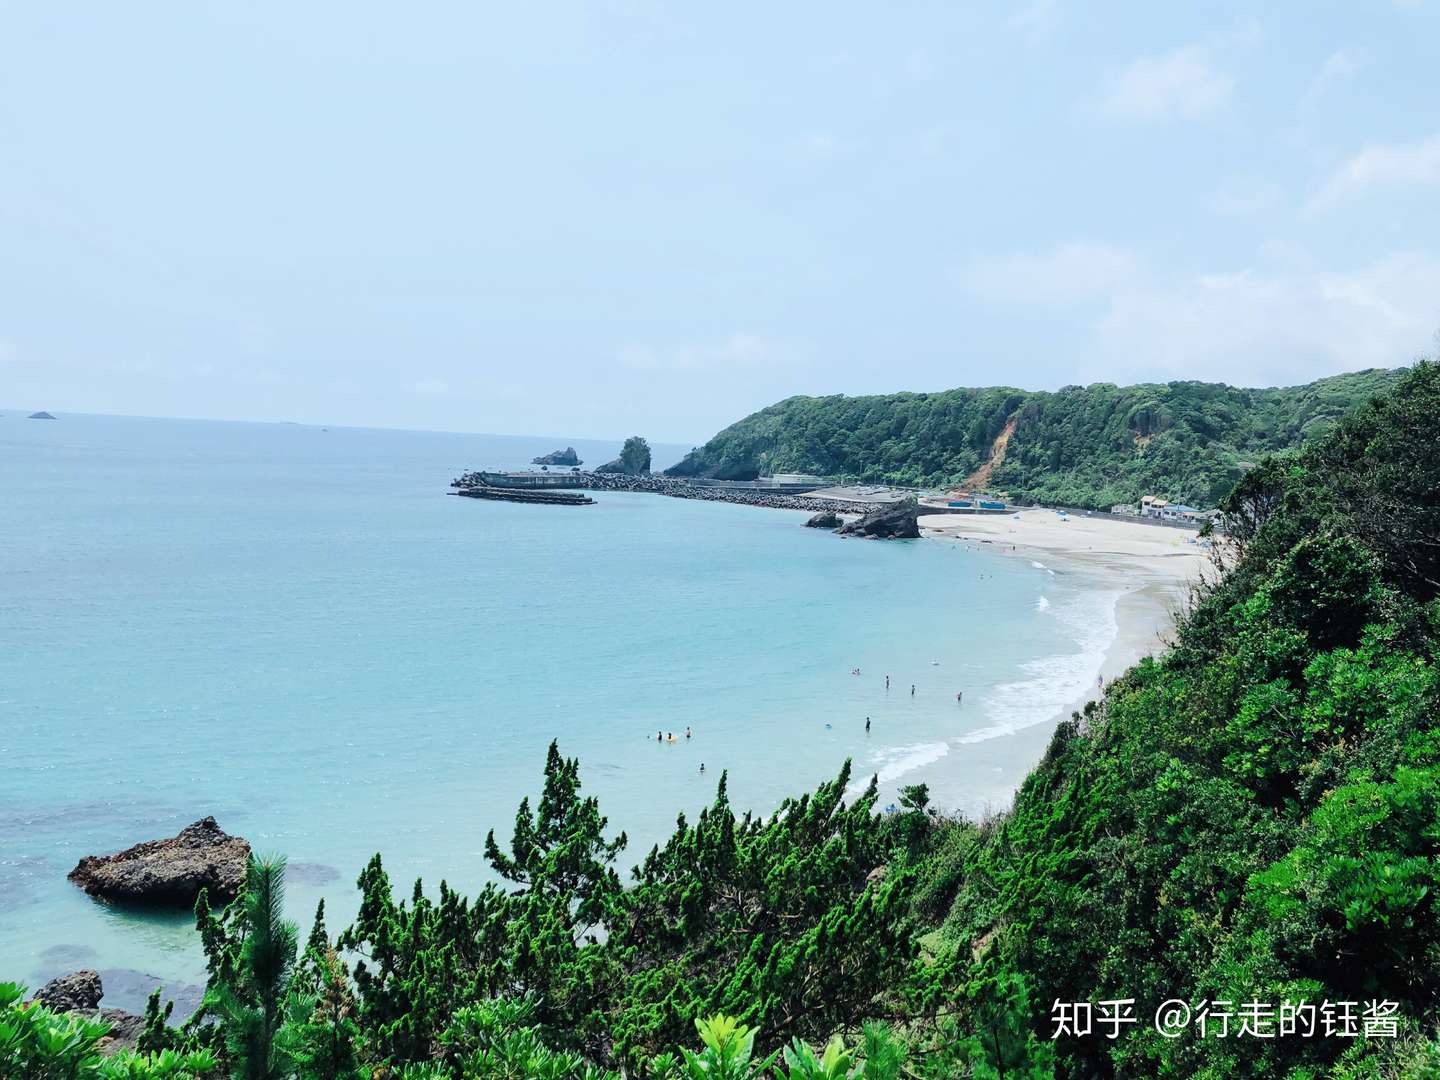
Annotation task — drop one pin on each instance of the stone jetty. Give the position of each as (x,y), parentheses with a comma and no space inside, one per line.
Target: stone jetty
(524,495)
(675,487)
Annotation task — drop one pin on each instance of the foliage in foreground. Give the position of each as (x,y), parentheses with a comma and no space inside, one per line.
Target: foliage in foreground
(39,1044)
(1253,817)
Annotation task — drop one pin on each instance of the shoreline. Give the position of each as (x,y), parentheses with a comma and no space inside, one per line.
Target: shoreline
(1151,570)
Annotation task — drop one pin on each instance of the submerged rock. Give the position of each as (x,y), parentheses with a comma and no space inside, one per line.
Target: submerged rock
(897,521)
(558,457)
(825,519)
(169,873)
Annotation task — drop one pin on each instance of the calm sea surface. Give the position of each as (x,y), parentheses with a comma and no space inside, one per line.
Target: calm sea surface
(299,631)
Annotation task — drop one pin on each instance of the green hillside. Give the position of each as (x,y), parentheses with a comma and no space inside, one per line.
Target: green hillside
(1090,446)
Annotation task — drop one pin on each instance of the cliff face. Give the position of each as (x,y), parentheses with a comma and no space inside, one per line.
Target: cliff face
(1090,446)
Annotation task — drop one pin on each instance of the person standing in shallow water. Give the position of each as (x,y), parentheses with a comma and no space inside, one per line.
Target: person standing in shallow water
(867,725)
(912,689)
(887,682)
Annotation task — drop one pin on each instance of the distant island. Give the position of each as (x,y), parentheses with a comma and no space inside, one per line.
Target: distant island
(558,457)
(1091,447)
(41,416)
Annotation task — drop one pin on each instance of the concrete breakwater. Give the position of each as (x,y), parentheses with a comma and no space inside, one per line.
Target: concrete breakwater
(675,488)
(520,495)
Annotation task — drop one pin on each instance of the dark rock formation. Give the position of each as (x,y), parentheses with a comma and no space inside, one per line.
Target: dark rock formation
(80,992)
(558,457)
(41,416)
(826,519)
(125,1030)
(897,521)
(169,873)
(634,459)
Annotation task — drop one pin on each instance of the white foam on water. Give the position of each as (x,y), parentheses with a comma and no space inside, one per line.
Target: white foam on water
(1043,604)
(1052,684)
(894,762)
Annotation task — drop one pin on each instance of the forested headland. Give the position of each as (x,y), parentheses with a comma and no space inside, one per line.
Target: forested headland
(1083,446)
(1253,817)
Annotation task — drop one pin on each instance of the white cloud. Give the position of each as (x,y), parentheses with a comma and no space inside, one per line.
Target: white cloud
(824,145)
(429,387)
(1037,20)
(739,351)
(1069,272)
(1237,196)
(1340,65)
(1185,82)
(1382,165)
(1257,328)
(1249,327)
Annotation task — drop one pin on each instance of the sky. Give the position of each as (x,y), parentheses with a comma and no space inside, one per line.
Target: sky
(610,218)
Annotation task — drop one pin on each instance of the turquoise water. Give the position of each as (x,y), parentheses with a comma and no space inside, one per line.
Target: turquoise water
(298,631)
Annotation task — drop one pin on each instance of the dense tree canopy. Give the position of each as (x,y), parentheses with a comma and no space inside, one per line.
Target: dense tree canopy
(1090,446)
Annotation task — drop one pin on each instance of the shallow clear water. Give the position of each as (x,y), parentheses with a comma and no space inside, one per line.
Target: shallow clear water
(298,631)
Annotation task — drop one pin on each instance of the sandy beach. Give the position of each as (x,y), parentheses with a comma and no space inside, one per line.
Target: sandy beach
(1159,552)
(1155,565)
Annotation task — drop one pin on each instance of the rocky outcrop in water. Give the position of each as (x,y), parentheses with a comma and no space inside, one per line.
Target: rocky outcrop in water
(41,416)
(826,519)
(80,992)
(634,459)
(169,873)
(558,457)
(899,521)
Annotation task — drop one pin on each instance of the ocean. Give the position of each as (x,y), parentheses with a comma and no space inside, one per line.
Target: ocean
(298,630)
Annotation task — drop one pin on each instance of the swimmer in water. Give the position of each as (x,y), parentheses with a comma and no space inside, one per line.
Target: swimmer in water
(687,731)
(867,725)
(912,689)
(960,698)
(702,768)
